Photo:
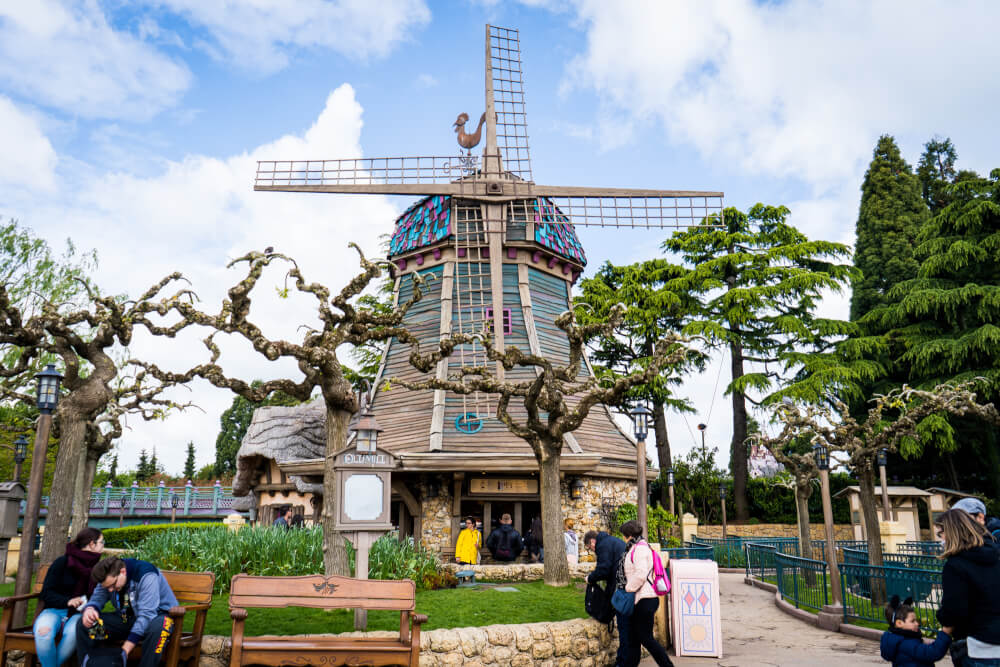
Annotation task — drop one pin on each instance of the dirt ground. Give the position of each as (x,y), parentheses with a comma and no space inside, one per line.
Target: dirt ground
(756,634)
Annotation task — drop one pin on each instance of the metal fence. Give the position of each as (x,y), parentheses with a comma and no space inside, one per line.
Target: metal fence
(156,501)
(730,552)
(696,551)
(760,561)
(802,581)
(868,587)
(921,548)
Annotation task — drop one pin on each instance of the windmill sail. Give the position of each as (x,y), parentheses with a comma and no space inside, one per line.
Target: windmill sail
(505,93)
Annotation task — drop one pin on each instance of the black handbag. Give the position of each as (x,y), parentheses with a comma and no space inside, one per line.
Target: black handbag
(598,603)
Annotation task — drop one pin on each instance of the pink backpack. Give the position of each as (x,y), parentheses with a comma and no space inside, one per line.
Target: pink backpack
(660,581)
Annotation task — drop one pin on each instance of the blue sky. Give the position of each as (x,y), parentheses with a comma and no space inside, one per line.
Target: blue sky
(133,128)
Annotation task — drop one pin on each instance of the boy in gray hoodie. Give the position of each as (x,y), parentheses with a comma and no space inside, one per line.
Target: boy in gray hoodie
(141,598)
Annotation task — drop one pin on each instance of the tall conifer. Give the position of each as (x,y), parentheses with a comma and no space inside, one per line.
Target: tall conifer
(891,214)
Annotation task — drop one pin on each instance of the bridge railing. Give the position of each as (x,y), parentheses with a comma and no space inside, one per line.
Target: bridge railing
(157,500)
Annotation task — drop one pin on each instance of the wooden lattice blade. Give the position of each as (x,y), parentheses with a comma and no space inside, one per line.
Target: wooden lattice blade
(626,207)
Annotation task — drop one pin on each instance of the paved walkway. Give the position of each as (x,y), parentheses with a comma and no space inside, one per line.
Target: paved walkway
(755,633)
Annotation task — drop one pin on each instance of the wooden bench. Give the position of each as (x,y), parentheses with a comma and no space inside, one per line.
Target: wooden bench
(192,589)
(321,592)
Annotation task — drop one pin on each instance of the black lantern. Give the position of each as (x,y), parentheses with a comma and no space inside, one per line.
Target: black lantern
(174,500)
(366,431)
(640,421)
(576,489)
(20,449)
(48,389)
(722,490)
(883,457)
(822,456)
(670,476)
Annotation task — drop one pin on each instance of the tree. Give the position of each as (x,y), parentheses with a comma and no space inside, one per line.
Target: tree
(936,172)
(653,312)
(556,400)
(889,221)
(113,471)
(189,462)
(759,281)
(235,421)
(342,322)
(142,472)
(154,465)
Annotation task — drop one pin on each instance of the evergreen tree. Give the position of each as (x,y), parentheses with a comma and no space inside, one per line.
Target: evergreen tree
(936,171)
(234,422)
(759,281)
(154,465)
(113,470)
(889,220)
(189,464)
(142,470)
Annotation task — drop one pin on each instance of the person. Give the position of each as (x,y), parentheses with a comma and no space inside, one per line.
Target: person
(141,598)
(469,541)
(505,543)
(284,512)
(608,551)
(536,547)
(298,521)
(572,546)
(638,566)
(64,591)
(903,644)
(970,580)
(975,508)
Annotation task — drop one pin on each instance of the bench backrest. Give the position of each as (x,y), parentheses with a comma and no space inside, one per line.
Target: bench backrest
(40,578)
(322,592)
(191,587)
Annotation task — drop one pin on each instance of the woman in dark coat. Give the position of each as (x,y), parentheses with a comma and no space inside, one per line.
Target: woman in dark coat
(970,582)
(65,590)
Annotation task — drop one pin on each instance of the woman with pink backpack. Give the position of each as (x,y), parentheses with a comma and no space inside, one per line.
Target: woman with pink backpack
(645,577)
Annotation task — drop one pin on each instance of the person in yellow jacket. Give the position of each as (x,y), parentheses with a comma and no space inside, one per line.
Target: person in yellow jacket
(469,542)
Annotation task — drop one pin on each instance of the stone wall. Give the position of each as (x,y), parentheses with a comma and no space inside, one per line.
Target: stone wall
(576,643)
(435,526)
(517,572)
(816,531)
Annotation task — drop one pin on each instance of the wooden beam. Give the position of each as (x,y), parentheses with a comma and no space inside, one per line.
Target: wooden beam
(493,216)
(408,498)
(437,414)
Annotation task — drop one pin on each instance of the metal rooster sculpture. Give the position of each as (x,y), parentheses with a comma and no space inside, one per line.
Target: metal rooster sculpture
(468,141)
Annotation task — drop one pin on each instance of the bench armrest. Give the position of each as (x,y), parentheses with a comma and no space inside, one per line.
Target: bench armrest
(177,612)
(238,614)
(198,607)
(10,601)
(419,619)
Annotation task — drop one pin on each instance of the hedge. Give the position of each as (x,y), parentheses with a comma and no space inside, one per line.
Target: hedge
(132,536)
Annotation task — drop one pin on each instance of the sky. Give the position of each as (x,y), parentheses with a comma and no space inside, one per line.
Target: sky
(134,128)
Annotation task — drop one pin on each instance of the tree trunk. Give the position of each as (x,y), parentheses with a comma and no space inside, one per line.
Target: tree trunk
(72,440)
(662,449)
(866,484)
(335,560)
(738,464)
(85,484)
(556,568)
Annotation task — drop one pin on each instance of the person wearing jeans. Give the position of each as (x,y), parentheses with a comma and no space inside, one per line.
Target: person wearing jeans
(64,591)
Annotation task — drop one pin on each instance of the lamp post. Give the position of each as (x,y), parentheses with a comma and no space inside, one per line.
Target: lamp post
(702,427)
(174,500)
(20,454)
(823,463)
(640,421)
(366,431)
(47,398)
(670,487)
(883,460)
(722,497)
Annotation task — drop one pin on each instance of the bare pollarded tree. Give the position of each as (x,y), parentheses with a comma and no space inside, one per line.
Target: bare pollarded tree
(556,400)
(341,322)
(82,338)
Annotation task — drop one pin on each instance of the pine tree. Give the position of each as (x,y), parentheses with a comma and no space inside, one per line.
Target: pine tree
(113,470)
(154,465)
(759,281)
(936,171)
(889,220)
(142,470)
(189,462)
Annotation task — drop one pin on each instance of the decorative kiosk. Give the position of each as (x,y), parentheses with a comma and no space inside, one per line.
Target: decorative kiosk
(694,608)
(364,484)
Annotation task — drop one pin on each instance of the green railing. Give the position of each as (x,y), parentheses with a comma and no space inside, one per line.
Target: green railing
(921,548)
(802,581)
(915,561)
(702,552)
(760,561)
(867,587)
(730,552)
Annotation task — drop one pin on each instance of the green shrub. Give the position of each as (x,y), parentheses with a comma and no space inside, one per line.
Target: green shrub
(131,536)
(390,558)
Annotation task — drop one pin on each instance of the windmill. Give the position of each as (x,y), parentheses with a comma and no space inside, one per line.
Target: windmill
(505,252)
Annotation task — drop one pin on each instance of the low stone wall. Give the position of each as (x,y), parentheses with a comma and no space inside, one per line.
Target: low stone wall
(517,572)
(576,643)
(816,531)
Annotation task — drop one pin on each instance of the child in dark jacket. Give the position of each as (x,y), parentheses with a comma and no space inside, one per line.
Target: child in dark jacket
(903,645)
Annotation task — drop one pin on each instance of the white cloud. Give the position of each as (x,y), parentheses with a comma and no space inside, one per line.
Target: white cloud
(68,57)
(27,159)
(793,89)
(195,216)
(263,34)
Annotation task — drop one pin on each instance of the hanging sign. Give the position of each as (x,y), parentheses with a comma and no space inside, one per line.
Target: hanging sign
(501,485)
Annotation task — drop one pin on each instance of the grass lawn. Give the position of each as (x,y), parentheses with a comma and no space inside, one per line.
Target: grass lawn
(447,608)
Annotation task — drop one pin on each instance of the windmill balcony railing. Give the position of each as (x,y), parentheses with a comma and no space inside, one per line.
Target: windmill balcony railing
(156,501)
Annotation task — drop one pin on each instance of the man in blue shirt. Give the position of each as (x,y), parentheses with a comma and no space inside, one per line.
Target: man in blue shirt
(141,598)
